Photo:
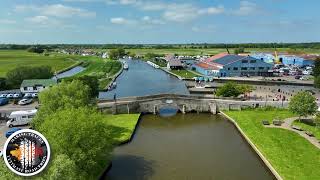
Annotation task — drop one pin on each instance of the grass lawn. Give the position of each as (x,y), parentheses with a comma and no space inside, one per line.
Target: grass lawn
(291,155)
(101,68)
(123,125)
(184,73)
(315,130)
(9,59)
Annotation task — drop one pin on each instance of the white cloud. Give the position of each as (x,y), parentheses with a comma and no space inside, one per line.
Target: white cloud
(145,21)
(246,8)
(121,21)
(57,10)
(212,10)
(180,13)
(7,21)
(38,19)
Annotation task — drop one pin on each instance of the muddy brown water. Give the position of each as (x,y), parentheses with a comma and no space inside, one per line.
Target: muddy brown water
(187,147)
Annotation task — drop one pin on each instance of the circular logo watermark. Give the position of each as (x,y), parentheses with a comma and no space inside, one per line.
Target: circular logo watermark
(26,152)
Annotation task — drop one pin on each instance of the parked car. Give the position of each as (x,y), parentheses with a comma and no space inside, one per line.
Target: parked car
(18,118)
(17,95)
(11,131)
(27,95)
(9,96)
(25,101)
(35,95)
(4,101)
(3,95)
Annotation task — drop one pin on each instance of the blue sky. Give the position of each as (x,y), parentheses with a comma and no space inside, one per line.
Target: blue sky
(158,21)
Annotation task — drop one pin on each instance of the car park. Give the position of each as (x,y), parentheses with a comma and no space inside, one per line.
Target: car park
(11,131)
(18,118)
(4,101)
(10,96)
(25,101)
(27,95)
(3,95)
(16,95)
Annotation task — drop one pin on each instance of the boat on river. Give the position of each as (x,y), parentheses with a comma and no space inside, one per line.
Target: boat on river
(125,66)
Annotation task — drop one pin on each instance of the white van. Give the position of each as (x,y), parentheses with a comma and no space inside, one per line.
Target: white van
(18,118)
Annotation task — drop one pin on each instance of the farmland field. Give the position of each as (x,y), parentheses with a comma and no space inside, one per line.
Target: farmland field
(9,59)
(212,51)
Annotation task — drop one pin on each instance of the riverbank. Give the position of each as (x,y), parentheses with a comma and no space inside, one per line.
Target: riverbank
(123,126)
(114,77)
(290,155)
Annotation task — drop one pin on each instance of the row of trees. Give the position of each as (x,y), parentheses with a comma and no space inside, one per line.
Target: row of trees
(15,76)
(315,45)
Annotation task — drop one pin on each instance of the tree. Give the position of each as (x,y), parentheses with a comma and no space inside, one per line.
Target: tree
(239,50)
(62,167)
(63,96)
(81,135)
(317,81)
(91,81)
(117,53)
(229,90)
(3,84)
(316,69)
(303,104)
(20,73)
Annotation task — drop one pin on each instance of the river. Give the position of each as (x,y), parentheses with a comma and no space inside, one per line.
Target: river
(191,147)
(142,79)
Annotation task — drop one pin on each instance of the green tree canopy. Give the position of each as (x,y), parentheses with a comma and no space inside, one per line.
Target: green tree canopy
(20,73)
(303,104)
(81,135)
(91,81)
(229,89)
(63,96)
(316,69)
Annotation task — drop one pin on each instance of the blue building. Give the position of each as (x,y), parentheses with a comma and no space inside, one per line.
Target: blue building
(233,65)
(284,59)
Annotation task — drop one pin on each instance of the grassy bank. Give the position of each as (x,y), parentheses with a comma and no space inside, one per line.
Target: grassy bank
(291,155)
(103,69)
(9,59)
(184,73)
(315,130)
(122,125)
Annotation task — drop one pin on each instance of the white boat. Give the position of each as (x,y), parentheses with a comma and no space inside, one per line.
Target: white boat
(125,66)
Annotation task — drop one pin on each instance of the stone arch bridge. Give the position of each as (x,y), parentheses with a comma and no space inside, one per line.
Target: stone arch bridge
(184,103)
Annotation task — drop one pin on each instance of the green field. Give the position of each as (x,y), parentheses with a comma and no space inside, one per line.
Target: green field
(123,124)
(184,73)
(103,69)
(212,51)
(291,155)
(314,129)
(9,59)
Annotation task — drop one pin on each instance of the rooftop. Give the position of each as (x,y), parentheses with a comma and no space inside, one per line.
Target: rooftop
(34,82)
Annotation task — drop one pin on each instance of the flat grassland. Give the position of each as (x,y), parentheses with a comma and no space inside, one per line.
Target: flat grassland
(212,51)
(123,126)
(184,73)
(291,155)
(9,59)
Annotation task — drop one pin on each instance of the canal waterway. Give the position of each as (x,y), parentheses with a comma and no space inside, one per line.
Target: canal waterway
(70,72)
(142,79)
(186,146)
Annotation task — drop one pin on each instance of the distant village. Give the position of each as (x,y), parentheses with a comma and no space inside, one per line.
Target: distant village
(230,65)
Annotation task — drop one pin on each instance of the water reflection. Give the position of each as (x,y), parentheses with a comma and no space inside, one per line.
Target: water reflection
(142,79)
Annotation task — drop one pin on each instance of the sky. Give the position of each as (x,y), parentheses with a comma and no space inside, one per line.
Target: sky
(158,21)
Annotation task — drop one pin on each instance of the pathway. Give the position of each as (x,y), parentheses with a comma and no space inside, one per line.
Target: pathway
(288,125)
